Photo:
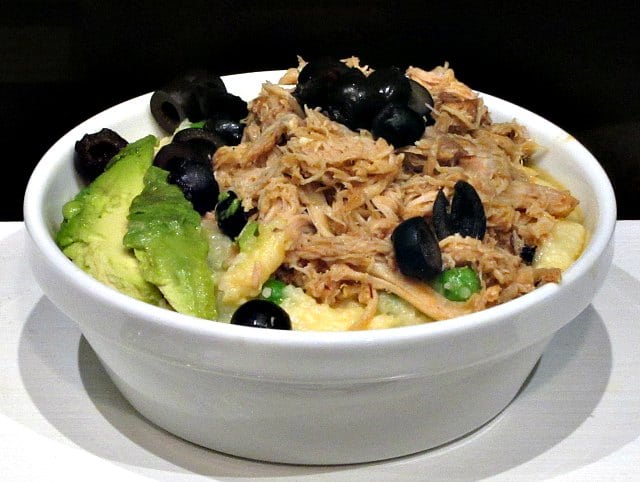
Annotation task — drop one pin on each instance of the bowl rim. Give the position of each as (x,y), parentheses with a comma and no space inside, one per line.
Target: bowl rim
(37,230)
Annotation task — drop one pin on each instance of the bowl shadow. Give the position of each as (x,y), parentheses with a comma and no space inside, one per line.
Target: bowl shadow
(573,373)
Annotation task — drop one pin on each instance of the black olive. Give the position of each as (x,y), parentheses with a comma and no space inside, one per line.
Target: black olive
(349,86)
(467,212)
(416,249)
(317,79)
(261,314)
(202,140)
(230,216)
(440,216)
(398,124)
(466,215)
(527,253)
(354,115)
(352,102)
(344,113)
(420,101)
(313,93)
(391,84)
(223,105)
(94,151)
(205,78)
(229,130)
(197,182)
(174,103)
(173,153)
(180,99)
(323,67)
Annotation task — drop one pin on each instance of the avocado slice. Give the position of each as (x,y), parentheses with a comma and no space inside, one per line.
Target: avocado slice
(95,221)
(168,240)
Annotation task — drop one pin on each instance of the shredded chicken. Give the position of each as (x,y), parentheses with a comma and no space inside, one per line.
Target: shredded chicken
(343,193)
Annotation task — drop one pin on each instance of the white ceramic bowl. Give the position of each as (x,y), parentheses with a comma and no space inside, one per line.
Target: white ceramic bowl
(316,398)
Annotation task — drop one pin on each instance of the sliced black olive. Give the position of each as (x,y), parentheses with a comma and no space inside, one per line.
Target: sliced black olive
(197,182)
(466,215)
(229,130)
(352,102)
(344,113)
(416,249)
(94,151)
(440,216)
(391,84)
(527,253)
(200,139)
(351,85)
(261,314)
(223,105)
(420,101)
(180,99)
(313,93)
(317,79)
(173,153)
(230,216)
(206,79)
(398,124)
(323,67)
(467,212)
(174,103)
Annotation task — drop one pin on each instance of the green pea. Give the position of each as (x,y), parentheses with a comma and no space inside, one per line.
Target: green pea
(273,290)
(457,284)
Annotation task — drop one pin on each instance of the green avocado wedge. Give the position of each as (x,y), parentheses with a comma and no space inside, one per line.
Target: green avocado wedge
(95,222)
(167,239)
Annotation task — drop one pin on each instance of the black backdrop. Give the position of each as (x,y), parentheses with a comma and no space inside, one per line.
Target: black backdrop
(575,63)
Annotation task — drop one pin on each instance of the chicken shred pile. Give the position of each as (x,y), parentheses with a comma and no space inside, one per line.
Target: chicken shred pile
(342,194)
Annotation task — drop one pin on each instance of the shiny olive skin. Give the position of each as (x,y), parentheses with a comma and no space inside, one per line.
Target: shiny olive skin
(316,79)
(94,151)
(350,86)
(205,78)
(416,249)
(260,313)
(170,155)
(352,101)
(200,139)
(440,216)
(185,97)
(201,83)
(398,125)
(230,215)
(221,105)
(229,130)
(465,216)
(197,182)
(391,84)
(172,104)
(322,68)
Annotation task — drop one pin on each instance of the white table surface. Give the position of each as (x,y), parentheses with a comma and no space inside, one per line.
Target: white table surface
(61,418)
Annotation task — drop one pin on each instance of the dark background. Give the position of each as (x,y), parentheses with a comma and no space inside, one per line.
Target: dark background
(575,63)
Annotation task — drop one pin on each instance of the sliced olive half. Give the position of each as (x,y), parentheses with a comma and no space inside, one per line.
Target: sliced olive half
(416,249)
(203,140)
(398,125)
(260,313)
(466,215)
(230,216)
(197,182)
(94,151)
